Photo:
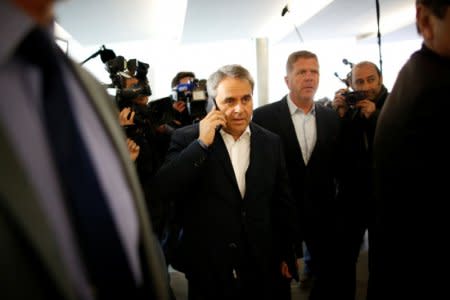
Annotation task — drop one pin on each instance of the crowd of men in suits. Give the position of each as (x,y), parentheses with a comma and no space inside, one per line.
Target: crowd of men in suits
(249,186)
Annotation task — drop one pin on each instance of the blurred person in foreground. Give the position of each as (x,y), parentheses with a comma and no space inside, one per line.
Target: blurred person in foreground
(411,159)
(237,212)
(73,222)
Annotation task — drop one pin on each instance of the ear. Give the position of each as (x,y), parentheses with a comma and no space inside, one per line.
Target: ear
(424,23)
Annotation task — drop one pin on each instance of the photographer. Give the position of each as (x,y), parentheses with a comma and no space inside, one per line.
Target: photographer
(359,112)
(143,127)
(190,99)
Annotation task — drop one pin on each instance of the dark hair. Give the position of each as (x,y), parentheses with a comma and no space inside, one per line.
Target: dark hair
(293,57)
(437,7)
(176,79)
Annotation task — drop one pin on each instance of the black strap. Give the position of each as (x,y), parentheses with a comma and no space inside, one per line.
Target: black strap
(377,3)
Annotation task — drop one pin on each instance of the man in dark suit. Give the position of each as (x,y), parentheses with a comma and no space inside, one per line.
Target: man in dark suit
(359,118)
(48,250)
(309,133)
(411,157)
(233,195)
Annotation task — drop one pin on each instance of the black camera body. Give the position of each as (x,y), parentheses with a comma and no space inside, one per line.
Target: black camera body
(119,70)
(351,98)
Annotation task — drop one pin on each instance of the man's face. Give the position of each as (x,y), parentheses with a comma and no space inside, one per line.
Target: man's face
(303,79)
(365,78)
(234,99)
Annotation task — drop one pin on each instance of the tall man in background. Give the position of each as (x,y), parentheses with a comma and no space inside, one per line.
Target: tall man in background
(310,135)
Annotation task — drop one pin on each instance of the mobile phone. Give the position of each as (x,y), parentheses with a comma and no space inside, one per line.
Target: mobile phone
(215,103)
(217,107)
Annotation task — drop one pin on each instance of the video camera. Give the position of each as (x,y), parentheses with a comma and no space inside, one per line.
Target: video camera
(194,90)
(194,94)
(120,70)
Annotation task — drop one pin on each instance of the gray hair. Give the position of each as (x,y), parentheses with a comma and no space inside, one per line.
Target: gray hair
(233,71)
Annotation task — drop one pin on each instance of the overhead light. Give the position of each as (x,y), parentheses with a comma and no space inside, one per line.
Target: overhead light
(294,13)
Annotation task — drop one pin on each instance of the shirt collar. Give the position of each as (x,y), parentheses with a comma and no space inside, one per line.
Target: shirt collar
(226,135)
(293,109)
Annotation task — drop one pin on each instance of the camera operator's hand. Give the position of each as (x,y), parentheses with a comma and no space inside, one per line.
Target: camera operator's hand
(133,148)
(209,124)
(367,107)
(339,103)
(126,117)
(179,106)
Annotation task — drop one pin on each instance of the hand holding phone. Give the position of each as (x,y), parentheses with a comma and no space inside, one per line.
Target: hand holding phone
(217,108)
(209,125)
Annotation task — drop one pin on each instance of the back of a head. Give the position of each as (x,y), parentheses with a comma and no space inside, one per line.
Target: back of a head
(437,7)
(432,23)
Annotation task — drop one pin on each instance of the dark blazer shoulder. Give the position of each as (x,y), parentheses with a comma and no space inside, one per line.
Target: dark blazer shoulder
(271,107)
(259,130)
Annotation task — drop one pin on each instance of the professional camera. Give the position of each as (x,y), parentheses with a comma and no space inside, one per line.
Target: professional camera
(194,94)
(120,70)
(351,98)
(194,90)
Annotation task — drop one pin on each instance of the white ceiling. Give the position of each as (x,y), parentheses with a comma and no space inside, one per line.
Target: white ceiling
(190,21)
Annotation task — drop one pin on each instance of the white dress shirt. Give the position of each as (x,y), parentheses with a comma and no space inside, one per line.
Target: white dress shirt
(305,128)
(239,151)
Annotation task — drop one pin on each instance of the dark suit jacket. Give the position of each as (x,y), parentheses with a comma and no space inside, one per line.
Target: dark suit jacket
(411,162)
(216,220)
(314,185)
(31,267)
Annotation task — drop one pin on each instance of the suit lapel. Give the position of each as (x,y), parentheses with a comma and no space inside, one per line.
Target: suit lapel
(287,128)
(256,157)
(321,130)
(19,200)
(223,157)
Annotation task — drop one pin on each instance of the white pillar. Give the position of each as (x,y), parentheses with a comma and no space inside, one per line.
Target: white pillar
(262,70)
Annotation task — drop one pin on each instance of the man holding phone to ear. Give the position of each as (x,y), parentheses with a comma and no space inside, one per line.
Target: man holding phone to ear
(234,196)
